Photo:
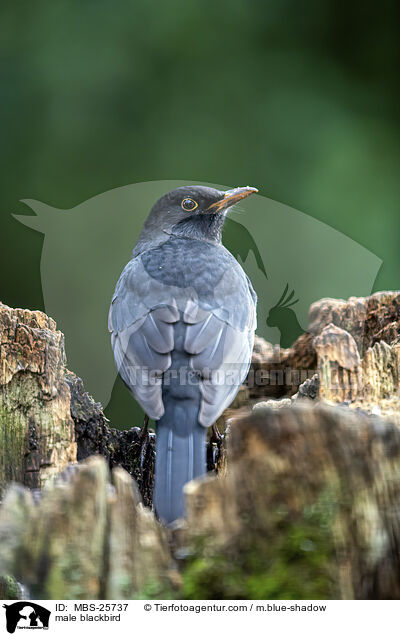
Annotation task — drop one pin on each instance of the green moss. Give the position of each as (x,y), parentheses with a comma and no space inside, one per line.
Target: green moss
(9,589)
(294,561)
(13,427)
(292,557)
(65,578)
(156,590)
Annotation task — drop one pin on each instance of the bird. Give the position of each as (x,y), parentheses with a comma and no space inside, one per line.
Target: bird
(182,322)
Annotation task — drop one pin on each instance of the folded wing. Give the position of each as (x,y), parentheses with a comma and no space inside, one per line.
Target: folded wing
(221,356)
(141,320)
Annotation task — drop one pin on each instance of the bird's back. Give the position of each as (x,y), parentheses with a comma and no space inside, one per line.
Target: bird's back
(199,284)
(207,269)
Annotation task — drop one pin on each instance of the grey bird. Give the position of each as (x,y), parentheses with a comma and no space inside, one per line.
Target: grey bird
(182,322)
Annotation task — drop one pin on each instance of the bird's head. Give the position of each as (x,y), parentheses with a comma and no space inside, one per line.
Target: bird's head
(194,211)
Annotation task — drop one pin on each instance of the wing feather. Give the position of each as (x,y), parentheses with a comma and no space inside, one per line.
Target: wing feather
(221,356)
(141,320)
(142,336)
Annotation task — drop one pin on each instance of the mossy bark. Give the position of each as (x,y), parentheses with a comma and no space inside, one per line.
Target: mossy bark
(37,436)
(87,536)
(308,508)
(305,505)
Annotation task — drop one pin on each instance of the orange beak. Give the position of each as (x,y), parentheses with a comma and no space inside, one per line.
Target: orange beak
(231,197)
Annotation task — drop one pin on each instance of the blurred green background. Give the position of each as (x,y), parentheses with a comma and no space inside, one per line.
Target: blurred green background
(298,98)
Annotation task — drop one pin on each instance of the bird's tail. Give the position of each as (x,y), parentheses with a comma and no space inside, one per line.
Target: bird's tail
(180,456)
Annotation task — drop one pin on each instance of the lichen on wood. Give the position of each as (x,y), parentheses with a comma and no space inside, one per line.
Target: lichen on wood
(36,429)
(308,508)
(86,536)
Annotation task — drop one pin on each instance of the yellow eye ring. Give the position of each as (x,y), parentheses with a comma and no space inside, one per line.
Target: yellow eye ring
(189,204)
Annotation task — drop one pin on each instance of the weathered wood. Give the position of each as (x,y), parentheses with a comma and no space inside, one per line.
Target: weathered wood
(345,376)
(277,372)
(308,508)
(85,537)
(133,449)
(59,552)
(305,505)
(137,544)
(36,429)
(339,364)
(47,419)
(369,320)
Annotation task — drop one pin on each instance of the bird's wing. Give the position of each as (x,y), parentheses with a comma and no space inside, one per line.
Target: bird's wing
(141,322)
(221,355)
(218,341)
(142,354)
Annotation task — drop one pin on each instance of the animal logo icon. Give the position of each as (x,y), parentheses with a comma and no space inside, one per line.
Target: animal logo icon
(284,317)
(26,615)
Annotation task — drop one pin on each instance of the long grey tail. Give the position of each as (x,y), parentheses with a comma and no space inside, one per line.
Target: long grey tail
(180,455)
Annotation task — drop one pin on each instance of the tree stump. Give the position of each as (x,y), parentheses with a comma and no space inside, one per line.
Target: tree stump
(305,506)
(308,508)
(37,437)
(86,536)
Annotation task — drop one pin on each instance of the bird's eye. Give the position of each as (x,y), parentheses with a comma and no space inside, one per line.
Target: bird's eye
(189,204)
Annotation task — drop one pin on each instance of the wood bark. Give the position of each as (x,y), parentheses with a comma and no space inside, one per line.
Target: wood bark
(305,504)
(37,437)
(308,507)
(86,536)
